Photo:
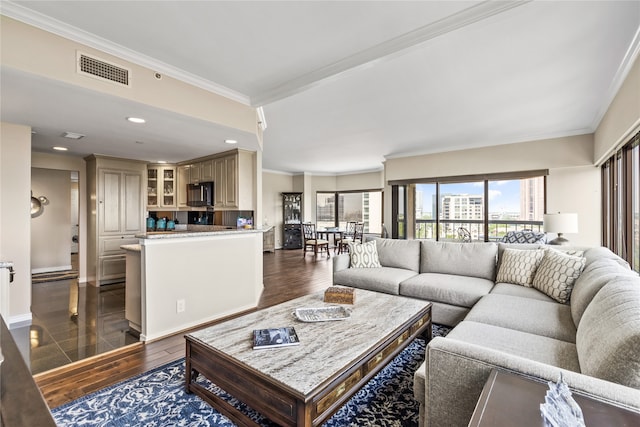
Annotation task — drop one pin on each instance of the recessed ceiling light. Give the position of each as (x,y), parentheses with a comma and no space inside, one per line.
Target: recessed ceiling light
(136,120)
(73,135)
(162,161)
(60,148)
(230,141)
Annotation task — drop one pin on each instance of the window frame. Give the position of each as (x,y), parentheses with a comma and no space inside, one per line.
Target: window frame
(336,195)
(485,178)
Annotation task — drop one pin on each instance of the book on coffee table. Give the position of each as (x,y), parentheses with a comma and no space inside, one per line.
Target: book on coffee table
(275,337)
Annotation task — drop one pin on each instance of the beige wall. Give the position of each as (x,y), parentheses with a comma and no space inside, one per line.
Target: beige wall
(360,181)
(69,163)
(573,184)
(622,119)
(577,190)
(54,57)
(15,216)
(51,230)
(273,185)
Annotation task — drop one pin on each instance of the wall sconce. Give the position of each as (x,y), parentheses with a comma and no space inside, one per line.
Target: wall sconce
(37,205)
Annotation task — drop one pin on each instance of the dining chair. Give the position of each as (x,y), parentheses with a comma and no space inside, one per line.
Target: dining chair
(464,235)
(358,234)
(311,241)
(347,236)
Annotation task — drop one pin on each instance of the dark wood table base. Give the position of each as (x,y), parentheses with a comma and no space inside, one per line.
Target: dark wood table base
(278,402)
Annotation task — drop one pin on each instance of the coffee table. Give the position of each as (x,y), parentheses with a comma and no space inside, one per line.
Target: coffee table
(302,385)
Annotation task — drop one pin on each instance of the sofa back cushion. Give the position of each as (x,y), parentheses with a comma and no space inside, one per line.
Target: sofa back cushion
(595,275)
(600,252)
(608,336)
(475,259)
(398,253)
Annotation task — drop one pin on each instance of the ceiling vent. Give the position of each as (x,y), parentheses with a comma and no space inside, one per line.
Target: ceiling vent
(102,70)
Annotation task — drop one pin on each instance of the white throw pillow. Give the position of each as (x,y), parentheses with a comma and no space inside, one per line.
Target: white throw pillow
(557,273)
(364,255)
(519,266)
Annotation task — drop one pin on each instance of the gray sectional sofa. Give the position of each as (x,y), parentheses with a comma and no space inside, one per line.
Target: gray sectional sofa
(593,338)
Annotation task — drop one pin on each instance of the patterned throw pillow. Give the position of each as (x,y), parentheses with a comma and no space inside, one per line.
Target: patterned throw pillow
(519,266)
(557,273)
(364,255)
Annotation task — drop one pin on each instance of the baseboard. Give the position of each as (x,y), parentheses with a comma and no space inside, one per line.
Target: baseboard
(50,269)
(20,321)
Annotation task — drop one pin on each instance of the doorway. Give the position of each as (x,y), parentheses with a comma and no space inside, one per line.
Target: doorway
(70,320)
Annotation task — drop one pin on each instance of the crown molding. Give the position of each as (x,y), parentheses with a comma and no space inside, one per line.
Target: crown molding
(631,55)
(386,50)
(461,147)
(54,26)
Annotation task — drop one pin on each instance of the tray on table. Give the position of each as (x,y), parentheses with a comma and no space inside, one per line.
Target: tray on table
(322,314)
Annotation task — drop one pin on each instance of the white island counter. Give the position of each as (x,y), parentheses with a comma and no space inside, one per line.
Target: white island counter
(190,278)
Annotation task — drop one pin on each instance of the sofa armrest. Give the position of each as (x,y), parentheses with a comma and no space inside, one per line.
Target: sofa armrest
(341,262)
(456,371)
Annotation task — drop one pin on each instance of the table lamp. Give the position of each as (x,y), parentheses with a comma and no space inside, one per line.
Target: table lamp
(560,223)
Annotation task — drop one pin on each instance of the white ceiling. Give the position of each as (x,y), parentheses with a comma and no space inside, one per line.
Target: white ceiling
(343,85)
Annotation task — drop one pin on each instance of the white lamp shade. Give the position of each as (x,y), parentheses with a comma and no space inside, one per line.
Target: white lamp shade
(561,223)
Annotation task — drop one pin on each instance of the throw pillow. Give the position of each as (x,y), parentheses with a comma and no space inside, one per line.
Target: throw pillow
(364,255)
(557,273)
(519,266)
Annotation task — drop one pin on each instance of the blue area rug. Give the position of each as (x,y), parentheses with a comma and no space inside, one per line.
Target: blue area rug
(157,398)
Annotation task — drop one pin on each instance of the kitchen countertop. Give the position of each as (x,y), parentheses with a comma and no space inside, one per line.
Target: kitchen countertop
(190,233)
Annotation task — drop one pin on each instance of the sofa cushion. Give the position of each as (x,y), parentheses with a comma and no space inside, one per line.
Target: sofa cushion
(382,279)
(452,289)
(594,276)
(535,347)
(520,291)
(608,337)
(476,259)
(398,253)
(519,266)
(548,319)
(557,273)
(364,255)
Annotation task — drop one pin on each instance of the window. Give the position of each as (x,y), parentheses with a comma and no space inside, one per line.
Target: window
(486,207)
(336,209)
(621,202)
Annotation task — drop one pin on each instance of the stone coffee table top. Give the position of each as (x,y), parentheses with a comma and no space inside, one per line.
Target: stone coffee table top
(304,367)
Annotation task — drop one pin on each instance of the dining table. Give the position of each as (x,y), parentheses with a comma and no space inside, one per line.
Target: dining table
(336,234)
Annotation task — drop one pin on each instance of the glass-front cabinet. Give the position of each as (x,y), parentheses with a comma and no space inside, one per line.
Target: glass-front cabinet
(292,218)
(161,186)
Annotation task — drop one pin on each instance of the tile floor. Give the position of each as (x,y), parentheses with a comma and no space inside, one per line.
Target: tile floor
(72,322)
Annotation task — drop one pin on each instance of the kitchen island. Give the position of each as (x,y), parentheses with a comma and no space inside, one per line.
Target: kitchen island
(190,278)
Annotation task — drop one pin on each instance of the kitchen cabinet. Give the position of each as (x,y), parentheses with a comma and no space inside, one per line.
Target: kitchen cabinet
(161,186)
(184,178)
(269,240)
(195,171)
(234,175)
(116,206)
(206,171)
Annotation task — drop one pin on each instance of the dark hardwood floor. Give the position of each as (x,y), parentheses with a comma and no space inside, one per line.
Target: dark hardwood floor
(287,275)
